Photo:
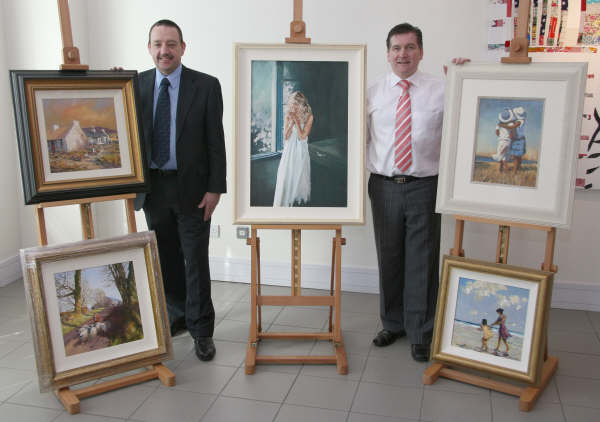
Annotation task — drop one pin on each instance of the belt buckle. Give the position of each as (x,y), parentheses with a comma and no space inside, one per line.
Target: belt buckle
(400,179)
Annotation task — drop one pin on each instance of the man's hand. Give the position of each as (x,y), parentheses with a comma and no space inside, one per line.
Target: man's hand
(457,60)
(116,68)
(209,203)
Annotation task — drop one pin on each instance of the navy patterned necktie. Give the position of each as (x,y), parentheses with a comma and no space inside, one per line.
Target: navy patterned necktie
(162,126)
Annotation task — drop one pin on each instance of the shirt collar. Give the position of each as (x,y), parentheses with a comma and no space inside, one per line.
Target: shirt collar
(174,77)
(414,79)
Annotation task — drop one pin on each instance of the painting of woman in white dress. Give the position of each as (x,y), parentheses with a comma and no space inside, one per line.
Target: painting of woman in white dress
(293,175)
(299,134)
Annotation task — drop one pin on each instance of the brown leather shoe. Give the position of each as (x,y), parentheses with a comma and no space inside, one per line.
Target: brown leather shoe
(387,337)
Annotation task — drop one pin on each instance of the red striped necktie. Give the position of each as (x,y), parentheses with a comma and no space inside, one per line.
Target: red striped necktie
(402,141)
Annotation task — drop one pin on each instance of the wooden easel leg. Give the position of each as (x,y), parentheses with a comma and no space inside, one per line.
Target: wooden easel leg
(69,400)
(250,364)
(531,394)
(130,212)
(296,261)
(331,286)
(548,264)
(459,230)
(259,317)
(165,375)
(41,226)
(337,300)
(341,358)
(432,373)
(502,245)
(87,222)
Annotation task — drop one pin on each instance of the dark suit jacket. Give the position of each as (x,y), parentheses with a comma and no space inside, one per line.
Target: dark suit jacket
(199,137)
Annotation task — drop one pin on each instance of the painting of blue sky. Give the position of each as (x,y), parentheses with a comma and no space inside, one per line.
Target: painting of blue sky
(478,299)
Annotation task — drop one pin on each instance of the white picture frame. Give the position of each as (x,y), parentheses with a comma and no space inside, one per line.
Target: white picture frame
(331,75)
(558,90)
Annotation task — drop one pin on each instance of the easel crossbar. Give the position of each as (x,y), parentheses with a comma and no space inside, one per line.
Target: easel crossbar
(295,300)
(294,360)
(296,336)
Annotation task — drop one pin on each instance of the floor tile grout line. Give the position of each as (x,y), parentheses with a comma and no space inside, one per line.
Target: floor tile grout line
(156,387)
(597,331)
(491,405)
(219,394)
(360,379)
(18,391)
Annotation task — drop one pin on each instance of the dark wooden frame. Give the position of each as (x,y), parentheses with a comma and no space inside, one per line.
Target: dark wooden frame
(37,190)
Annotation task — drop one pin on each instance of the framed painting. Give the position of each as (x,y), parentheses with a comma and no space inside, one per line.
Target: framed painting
(299,134)
(78,134)
(96,307)
(510,141)
(492,317)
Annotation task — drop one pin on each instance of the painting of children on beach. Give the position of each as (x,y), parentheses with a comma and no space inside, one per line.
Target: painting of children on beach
(98,307)
(508,139)
(490,318)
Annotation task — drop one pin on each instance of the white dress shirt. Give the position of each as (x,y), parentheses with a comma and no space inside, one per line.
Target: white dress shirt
(427,107)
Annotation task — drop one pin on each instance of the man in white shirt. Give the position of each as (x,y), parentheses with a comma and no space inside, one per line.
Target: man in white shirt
(405,109)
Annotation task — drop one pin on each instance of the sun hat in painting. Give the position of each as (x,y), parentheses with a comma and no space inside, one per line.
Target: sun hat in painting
(506,116)
(520,113)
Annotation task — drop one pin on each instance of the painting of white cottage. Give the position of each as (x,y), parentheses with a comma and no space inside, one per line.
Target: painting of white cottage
(81,134)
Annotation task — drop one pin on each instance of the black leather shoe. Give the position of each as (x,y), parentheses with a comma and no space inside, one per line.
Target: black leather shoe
(387,337)
(420,352)
(205,348)
(178,326)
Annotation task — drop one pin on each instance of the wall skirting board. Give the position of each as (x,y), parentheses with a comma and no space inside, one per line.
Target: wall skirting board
(10,270)
(566,295)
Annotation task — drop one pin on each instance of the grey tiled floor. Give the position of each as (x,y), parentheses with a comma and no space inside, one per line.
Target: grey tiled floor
(382,384)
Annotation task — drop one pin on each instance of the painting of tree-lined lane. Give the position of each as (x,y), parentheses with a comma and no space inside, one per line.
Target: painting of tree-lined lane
(81,134)
(98,307)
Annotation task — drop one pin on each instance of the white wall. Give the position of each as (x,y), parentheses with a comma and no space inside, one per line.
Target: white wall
(9,215)
(114,32)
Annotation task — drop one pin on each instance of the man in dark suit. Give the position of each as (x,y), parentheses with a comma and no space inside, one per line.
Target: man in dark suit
(182,114)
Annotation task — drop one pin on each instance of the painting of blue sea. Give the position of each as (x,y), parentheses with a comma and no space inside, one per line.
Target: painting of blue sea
(490,318)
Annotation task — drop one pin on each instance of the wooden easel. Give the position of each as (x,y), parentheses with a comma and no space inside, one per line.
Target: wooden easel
(528,394)
(69,398)
(333,301)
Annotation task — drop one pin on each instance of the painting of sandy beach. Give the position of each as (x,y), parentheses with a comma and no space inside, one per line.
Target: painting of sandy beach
(490,318)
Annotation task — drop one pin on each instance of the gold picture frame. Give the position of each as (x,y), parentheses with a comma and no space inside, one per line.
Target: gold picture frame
(96,307)
(78,134)
(472,294)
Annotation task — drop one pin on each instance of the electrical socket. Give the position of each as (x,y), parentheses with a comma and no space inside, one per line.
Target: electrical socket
(242,232)
(215,231)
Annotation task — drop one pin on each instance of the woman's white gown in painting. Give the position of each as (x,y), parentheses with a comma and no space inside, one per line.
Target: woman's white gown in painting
(293,174)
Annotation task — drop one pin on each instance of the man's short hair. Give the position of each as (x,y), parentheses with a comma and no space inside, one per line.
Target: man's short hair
(166,22)
(405,28)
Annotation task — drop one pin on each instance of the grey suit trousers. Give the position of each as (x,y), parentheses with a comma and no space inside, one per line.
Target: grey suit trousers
(407,238)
